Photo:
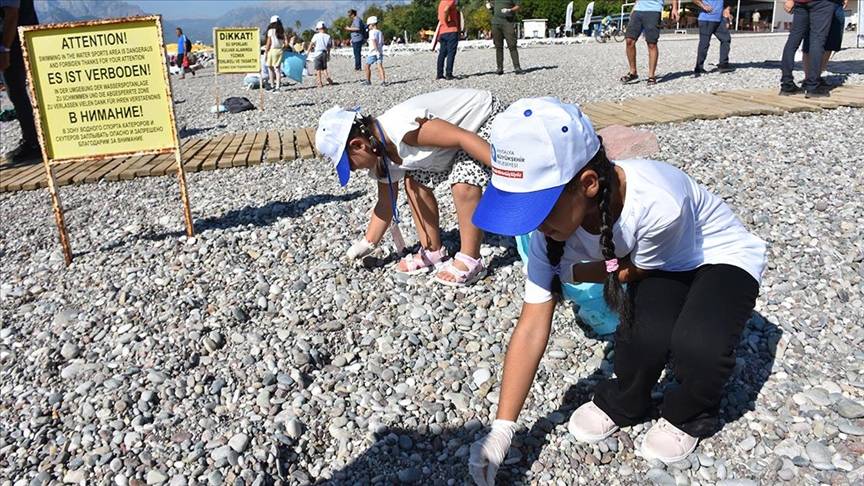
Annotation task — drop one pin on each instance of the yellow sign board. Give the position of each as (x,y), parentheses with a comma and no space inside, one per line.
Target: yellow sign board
(238,50)
(101,88)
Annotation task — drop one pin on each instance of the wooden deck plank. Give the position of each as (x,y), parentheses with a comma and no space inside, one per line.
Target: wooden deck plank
(194,164)
(304,148)
(274,147)
(19,175)
(310,133)
(81,176)
(611,112)
(289,145)
(104,170)
(161,165)
(687,104)
(35,182)
(654,110)
(212,160)
(242,154)
(790,104)
(227,158)
(128,164)
(63,174)
(636,116)
(164,168)
(256,153)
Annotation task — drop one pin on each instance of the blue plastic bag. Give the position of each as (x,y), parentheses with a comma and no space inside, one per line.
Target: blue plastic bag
(293,64)
(588,296)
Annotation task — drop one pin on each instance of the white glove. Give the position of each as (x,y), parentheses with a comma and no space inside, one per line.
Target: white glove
(360,249)
(505,11)
(489,452)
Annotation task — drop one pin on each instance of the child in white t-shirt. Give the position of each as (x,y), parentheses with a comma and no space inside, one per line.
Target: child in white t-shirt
(376,51)
(425,141)
(319,47)
(692,272)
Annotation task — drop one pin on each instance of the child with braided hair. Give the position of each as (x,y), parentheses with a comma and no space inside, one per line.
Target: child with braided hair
(691,271)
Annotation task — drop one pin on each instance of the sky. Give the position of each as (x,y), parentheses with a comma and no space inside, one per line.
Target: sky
(204,9)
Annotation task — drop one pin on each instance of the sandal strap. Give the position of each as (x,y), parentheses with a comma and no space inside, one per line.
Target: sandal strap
(474,265)
(423,258)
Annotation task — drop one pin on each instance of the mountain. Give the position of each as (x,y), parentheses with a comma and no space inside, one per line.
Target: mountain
(50,11)
(254,15)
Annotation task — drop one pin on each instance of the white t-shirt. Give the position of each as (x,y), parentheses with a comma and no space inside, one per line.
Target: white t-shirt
(669,222)
(322,42)
(465,108)
(275,42)
(376,43)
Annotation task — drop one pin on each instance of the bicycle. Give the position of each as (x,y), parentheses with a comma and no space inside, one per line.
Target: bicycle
(612,31)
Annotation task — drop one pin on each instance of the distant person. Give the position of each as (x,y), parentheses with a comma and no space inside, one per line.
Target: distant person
(756,17)
(15,13)
(448,37)
(276,43)
(645,19)
(504,28)
(376,51)
(833,43)
(812,20)
(320,47)
(184,47)
(358,36)
(713,21)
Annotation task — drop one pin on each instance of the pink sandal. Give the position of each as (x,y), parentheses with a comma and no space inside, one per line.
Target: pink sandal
(475,271)
(422,261)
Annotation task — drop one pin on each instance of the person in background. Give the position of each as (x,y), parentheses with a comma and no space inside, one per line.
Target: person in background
(376,51)
(448,37)
(811,19)
(319,47)
(504,28)
(357,38)
(756,17)
(183,48)
(645,18)
(833,43)
(276,42)
(14,13)
(713,21)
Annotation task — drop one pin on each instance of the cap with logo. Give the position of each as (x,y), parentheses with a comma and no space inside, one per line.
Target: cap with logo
(334,127)
(320,25)
(538,146)
(274,18)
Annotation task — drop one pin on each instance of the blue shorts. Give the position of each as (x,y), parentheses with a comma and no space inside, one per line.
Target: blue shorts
(374,59)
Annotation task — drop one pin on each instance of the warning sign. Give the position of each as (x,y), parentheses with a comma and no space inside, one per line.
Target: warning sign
(101,87)
(237,50)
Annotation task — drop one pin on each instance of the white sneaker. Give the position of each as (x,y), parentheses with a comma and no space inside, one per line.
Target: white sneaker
(667,443)
(590,424)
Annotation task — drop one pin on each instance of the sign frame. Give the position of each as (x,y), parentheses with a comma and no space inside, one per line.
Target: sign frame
(49,163)
(216,66)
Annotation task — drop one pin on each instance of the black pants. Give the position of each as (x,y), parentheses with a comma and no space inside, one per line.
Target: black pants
(695,316)
(719,30)
(500,33)
(358,51)
(447,44)
(16,83)
(813,18)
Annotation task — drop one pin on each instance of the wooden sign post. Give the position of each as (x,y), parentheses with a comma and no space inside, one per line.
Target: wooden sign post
(237,51)
(100,90)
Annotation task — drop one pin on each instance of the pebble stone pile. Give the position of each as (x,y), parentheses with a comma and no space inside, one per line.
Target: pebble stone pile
(255,353)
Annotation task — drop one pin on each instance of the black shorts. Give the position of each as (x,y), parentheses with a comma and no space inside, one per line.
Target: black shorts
(644,22)
(834,41)
(321,62)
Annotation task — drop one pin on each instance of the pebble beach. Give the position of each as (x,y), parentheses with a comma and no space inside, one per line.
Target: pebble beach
(256,353)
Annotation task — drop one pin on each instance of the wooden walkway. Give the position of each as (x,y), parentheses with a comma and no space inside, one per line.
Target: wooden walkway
(247,149)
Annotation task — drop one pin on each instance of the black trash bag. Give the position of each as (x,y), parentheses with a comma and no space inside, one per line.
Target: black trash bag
(236,105)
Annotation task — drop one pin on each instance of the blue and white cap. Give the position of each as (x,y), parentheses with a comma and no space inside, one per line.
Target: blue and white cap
(538,146)
(331,137)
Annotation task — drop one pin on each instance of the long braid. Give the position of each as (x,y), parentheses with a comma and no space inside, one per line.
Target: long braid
(613,292)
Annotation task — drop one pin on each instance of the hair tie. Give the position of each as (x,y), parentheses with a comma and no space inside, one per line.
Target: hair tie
(612,265)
